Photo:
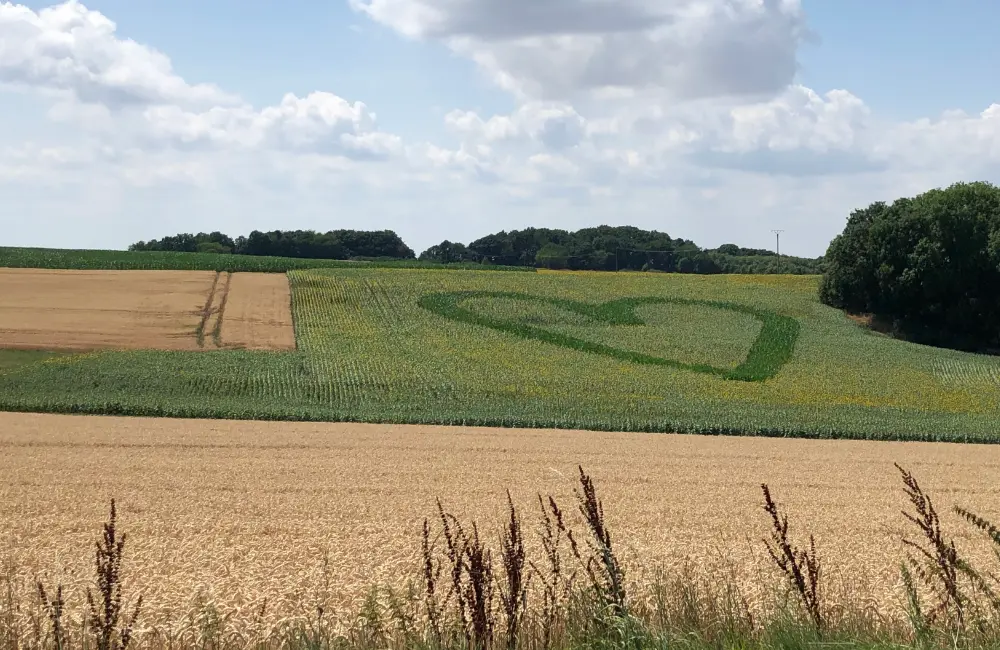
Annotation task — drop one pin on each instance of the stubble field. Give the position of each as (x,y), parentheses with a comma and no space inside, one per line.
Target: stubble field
(134,310)
(233,513)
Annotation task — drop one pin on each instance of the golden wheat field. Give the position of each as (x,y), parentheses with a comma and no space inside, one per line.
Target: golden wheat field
(168,310)
(233,513)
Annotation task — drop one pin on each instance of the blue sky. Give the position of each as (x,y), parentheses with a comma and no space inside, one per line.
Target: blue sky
(714,120)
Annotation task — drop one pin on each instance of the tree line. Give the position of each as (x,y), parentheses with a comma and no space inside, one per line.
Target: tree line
(332,245)
(615,248)
(604,248)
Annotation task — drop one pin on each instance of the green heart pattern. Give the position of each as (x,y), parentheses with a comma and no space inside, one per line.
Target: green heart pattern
(771,350)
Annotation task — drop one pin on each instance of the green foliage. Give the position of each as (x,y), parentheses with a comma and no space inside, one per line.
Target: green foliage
(333,245)
(929,265)
(767,264)
(607,248)
(448,252)
(739,251)
(10,359)
(57,258)
(212,247)
(603,248)
(367,351)
(552,256)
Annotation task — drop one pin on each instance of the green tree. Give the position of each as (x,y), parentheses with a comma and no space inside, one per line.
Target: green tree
(929,265)
(447,252)
(552,256)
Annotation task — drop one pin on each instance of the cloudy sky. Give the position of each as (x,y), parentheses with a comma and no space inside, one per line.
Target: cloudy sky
(713,120)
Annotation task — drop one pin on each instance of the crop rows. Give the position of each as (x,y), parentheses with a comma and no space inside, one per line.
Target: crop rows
(770,350)
(637,352)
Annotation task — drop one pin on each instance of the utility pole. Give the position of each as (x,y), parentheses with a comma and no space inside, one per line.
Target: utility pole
(777,241)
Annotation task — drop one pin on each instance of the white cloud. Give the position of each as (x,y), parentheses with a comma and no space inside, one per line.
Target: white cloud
(129,94)
(798,119)
(553,125)
(702,133)
(796,132)
(956,136)
(320,122)
(75,52)
(564,48)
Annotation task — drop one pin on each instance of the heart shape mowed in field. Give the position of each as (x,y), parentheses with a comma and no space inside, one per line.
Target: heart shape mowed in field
(770,350)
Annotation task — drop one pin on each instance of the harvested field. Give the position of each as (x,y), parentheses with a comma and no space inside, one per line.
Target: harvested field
(166,310)
(246,510)
(256,313)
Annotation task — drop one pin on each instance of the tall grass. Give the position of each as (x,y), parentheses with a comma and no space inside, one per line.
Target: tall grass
(478,591)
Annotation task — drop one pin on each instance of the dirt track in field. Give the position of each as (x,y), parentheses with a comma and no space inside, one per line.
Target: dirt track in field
(247,509)
(167,310)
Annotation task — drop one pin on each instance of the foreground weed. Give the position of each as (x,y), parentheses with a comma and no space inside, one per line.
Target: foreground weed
(514,591)
(988,588)
(800,566)
(109,622)
(606,574)
(54,608)
(941,566)
(472,579)
(434,603)
(557,585)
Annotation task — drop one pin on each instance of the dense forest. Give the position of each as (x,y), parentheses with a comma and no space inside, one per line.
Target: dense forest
(604,248)
(927,268)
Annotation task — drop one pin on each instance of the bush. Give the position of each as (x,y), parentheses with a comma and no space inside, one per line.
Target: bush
(928,266)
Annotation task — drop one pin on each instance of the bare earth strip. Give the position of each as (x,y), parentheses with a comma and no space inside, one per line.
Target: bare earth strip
(243,511)
(84,310)
(257,313)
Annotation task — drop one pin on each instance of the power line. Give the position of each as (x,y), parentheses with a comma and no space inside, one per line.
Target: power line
(777,240)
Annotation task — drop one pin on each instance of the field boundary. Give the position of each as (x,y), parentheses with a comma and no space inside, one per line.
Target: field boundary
(118,409)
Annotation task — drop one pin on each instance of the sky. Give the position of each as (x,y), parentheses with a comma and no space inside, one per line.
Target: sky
(713,120)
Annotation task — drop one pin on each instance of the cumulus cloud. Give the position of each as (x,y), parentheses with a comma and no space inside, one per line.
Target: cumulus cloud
(553,125)
(798,119)
(506,19)
(797,132)
(675,114)
(320,122)
(71,50)
(130,93)
(956,136)
(564,48)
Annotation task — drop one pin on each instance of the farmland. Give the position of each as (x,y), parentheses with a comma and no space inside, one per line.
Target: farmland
(634,352)
(49,310)
(96,260)
(232,513)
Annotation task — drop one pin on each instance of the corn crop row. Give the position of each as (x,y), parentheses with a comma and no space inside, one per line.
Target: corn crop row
(636,352)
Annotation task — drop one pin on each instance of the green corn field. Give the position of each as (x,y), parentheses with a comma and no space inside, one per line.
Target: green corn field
(744,355)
